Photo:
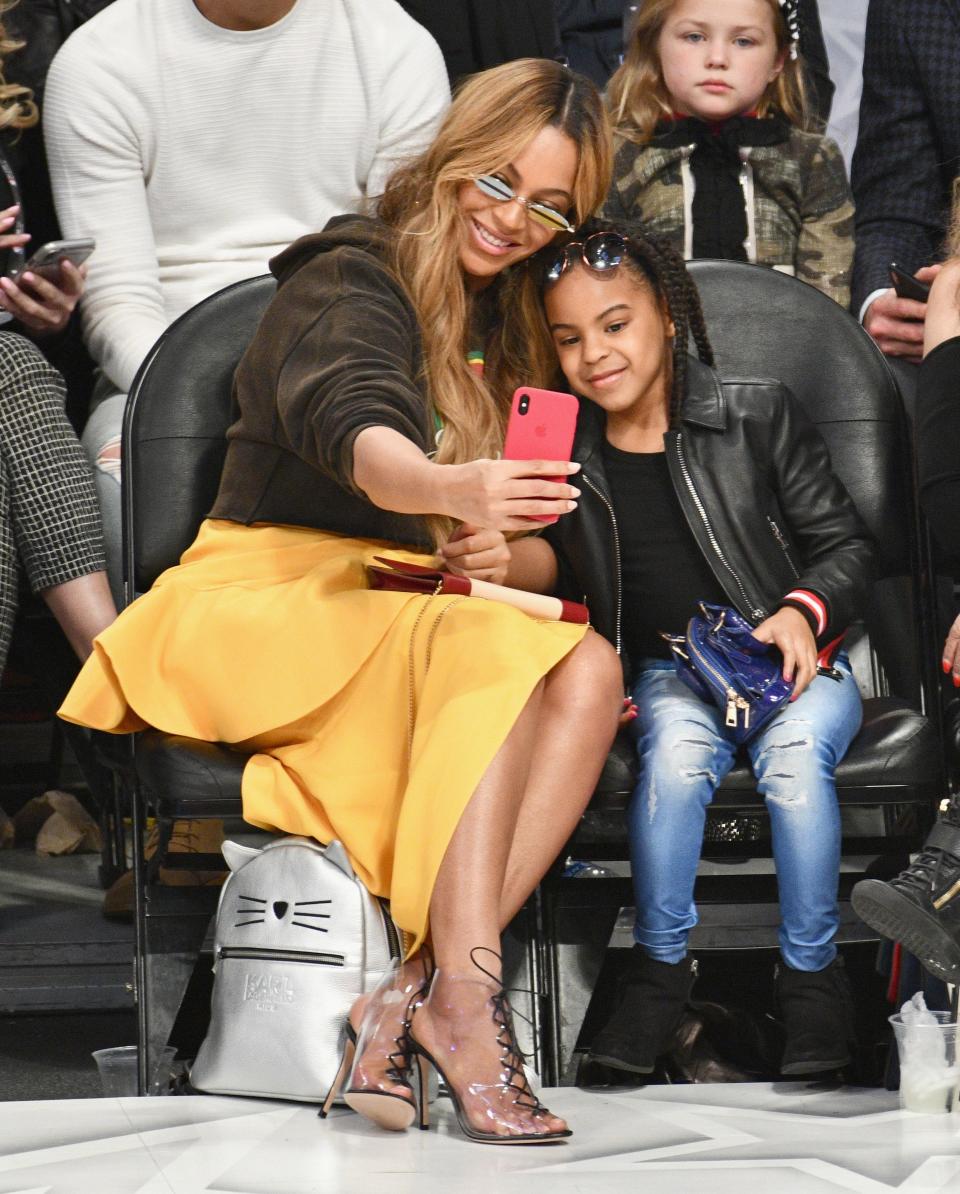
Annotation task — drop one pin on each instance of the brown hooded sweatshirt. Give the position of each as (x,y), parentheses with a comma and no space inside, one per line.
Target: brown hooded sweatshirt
(338,350)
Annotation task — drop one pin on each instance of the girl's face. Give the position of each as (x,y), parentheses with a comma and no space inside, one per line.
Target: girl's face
(496,233)
(718,57)
(612,338)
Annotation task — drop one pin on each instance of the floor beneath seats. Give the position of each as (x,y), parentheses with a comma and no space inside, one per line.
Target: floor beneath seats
(788,1138)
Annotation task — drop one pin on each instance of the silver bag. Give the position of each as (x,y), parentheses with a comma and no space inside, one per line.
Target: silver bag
(298,938)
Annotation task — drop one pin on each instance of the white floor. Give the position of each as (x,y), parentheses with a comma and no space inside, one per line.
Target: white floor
(783,1139)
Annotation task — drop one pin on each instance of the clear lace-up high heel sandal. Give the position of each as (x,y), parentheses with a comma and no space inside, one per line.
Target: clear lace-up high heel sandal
(491,1096)
(375,1065)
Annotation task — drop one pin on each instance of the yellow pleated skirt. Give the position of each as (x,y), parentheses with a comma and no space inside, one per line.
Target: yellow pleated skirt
(370,716)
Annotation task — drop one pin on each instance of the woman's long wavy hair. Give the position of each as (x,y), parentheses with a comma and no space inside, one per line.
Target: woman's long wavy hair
(17,109)
(637,95)
(654,265)
(494,117)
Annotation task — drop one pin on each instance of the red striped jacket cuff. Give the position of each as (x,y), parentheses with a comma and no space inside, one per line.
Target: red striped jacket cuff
(815,605)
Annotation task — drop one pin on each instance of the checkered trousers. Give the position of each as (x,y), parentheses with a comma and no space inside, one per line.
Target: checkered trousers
(908,148)
(49,518)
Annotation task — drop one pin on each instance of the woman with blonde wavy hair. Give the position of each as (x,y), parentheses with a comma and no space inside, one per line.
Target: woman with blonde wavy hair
(450,744)
(49,520)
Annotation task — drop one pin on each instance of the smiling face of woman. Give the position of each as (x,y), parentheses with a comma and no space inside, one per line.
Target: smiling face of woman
(495,232)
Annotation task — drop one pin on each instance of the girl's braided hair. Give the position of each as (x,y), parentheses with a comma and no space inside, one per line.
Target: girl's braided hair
(654,262)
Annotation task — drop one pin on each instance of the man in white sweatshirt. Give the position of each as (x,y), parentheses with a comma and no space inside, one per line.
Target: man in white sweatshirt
(196,138)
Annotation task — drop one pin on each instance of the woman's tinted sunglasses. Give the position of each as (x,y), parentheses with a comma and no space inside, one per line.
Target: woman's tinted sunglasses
(495,187)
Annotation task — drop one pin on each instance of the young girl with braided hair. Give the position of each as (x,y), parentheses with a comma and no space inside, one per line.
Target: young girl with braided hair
(713,148)
(694,488)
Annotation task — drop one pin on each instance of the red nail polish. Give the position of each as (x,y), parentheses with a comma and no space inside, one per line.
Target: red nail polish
(945,664)
(956,681)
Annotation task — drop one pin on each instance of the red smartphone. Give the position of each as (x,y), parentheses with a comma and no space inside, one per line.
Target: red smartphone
(541,426)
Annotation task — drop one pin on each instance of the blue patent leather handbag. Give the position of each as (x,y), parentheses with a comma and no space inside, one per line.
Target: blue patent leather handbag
(721,661)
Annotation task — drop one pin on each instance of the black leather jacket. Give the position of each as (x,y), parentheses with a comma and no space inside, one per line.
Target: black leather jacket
(754,480)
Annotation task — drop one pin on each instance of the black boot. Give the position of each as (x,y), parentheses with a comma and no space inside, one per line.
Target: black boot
(650,1009)
(816,1007)
(921,907)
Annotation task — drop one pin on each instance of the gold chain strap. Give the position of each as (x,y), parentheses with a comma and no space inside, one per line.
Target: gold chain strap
(411,659)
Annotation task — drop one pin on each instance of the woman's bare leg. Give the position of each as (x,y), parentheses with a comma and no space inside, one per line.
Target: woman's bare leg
(466,898)
(83,607)
(519,817)
(577,726)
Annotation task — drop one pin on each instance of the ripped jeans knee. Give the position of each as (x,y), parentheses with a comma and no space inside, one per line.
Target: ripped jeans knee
(108,458)
(684,754)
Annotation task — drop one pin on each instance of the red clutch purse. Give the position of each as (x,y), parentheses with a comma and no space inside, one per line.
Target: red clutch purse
(398,576)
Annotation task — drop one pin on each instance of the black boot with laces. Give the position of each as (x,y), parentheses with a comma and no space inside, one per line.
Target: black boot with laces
(921,907)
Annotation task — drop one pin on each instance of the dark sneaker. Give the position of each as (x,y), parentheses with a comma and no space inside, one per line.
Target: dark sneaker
(816,1007)
(642,1027)
(921,907)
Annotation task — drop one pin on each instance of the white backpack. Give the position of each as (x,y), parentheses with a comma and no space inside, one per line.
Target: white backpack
(298,938)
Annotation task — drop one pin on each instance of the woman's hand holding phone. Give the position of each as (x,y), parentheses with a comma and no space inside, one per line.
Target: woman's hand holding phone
(506,495)
(42,305)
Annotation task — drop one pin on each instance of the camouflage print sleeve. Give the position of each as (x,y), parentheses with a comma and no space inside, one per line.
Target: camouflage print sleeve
(825,246)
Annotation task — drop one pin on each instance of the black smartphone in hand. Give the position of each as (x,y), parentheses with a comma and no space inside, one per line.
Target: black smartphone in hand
(907,286)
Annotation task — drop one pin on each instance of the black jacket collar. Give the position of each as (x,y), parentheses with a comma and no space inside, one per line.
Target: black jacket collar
(703,406)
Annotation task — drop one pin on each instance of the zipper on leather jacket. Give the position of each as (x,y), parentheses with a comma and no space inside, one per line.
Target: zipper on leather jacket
(756,610)
(784,547)
(616,551)
(280,955)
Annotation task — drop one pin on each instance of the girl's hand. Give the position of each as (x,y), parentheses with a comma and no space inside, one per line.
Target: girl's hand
(477,554)
(951,653)
(504,494)
(43,307)
(790,632)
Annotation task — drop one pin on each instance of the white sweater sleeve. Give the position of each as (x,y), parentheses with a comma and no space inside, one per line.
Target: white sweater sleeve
(416,95)
(97,173)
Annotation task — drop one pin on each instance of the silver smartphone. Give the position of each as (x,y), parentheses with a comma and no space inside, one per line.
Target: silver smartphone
(46,260)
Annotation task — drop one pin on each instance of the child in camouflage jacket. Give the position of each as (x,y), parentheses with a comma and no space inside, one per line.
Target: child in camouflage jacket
(711,152)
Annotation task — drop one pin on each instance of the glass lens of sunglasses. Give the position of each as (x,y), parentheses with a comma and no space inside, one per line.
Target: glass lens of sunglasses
(549,217)
(556,267)
(495,187)
(604,252)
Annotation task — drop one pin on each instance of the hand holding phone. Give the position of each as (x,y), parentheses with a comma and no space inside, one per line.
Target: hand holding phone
(45,262)
(541,426)
(907,286)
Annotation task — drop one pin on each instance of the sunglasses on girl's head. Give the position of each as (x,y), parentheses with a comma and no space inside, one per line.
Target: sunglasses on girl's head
(601,252)
(494,187)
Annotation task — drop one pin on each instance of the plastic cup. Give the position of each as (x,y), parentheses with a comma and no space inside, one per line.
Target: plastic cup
(118,1070)
(931,1087)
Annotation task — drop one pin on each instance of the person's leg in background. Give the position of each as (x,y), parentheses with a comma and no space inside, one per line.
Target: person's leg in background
(683,754)
(794,759)
(48,506)
(101,441)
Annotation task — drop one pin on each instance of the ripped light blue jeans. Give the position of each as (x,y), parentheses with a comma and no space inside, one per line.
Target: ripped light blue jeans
(685,751)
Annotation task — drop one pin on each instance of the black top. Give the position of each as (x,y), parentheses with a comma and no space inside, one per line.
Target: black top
(664,572)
